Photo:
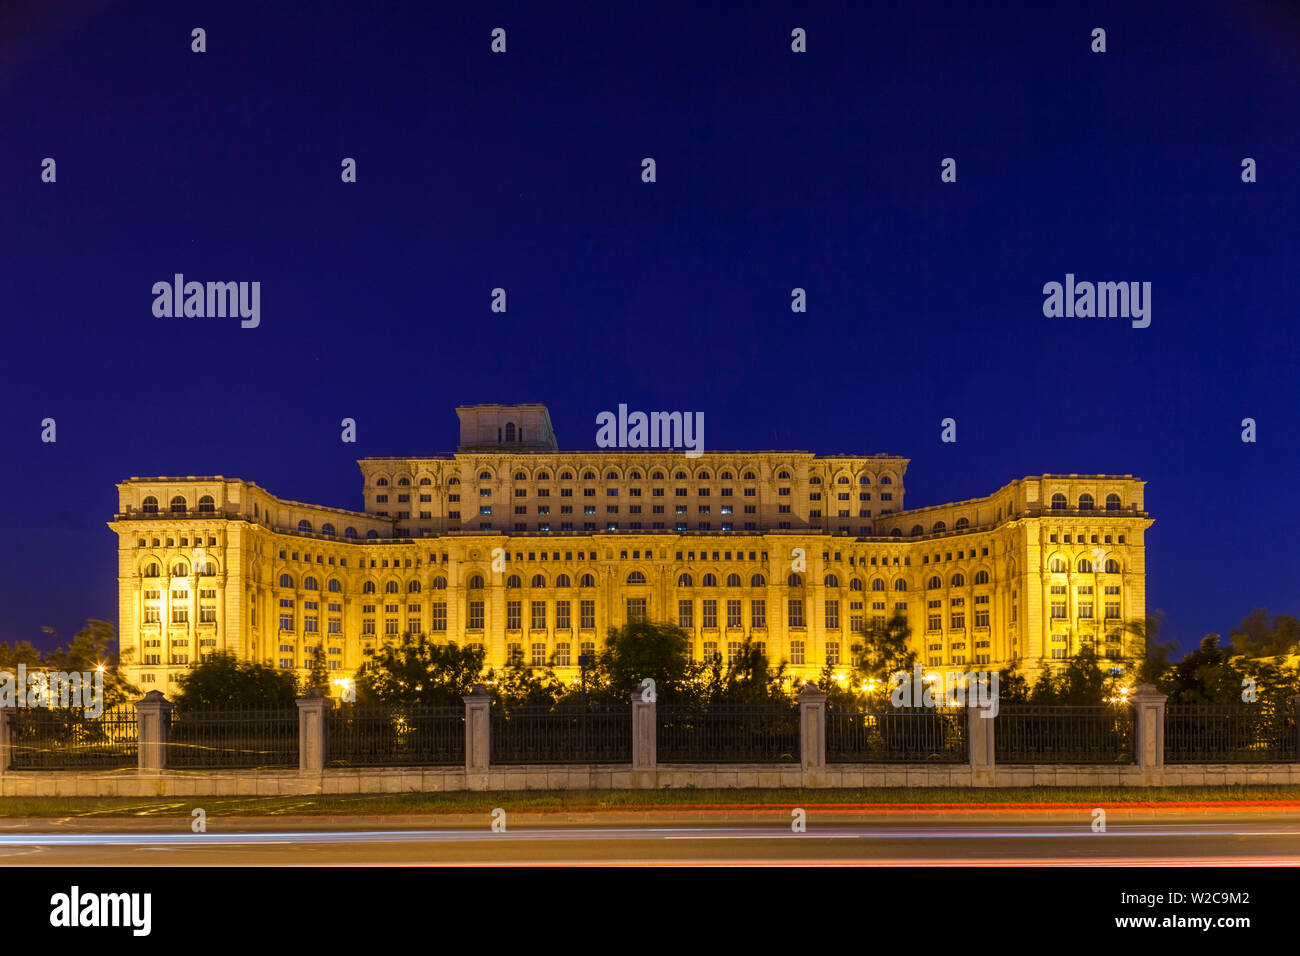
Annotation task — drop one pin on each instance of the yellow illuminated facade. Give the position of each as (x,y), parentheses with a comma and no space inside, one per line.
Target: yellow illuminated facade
(533,552)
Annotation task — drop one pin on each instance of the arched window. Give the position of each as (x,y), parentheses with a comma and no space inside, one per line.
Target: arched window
(917,529)
(372,533)
(304,525)
(543,476)
(439,583)
(207,505)
(413,587)
(391,588)
(334,586)
(733,580)
(750,476)
(1112,503)
(635,476)
(383,482)
(368,587)
(878,584)
(404,481)
(855,585)
(349,532)
(831,581)
(981,577)
(708,581)
(476,583)
(611,476)
(150,505)
(864,480)
(562,581)
(886,480)
(934,582)
(684,580)
(636,577)
(539,580)
(1058,502)
(758,581)
(680,475)
(588,476)
(178,505)
(725,476)
(1085,502)
(1112,566)
(896,533)
(514,581)
(426,481)
(900,585)
(328,529)
(657,476)
(453,480)
(939,526)
(958,580)
(961,523)
(510,431)
(485,476)
(1058,565)
(702,476)
(566,476)
(784,476)
(586,581)
(841,480)
(180,569)
(151,569)
(520,476)
(794,581)
(286,581)
(309,584)
(1085,566)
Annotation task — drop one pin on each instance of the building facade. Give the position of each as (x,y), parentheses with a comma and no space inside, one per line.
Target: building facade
(534,553)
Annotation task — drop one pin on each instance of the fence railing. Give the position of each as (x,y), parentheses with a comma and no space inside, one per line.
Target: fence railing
(1027,733)
(1232,733)
(233,739)
(727,734)
(904,734)
(543,735)
(44,738)
(383,736)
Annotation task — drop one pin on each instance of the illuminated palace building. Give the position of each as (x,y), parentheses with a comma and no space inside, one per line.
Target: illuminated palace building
(795,551)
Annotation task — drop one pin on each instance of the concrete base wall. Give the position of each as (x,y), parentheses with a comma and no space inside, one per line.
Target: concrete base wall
(186,783)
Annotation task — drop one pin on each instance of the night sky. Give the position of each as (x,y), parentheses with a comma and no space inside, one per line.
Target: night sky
(775,170)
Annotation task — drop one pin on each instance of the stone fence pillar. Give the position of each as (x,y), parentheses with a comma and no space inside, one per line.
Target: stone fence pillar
(313,731)
(6,753)
(812,729)
(1149,731)
(644,753)
(153,715)
(982,743)
(478,729)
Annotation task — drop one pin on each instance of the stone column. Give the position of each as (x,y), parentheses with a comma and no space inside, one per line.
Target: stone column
(1149,732)
(478,729)
(313,731)
(153,720)
(812,729)
(980,731)
(644,755)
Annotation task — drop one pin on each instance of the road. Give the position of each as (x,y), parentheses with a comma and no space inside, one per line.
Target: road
(1251,841)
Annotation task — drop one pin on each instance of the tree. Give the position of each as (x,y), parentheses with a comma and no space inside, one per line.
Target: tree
(91,650)
(317,679)
(641,649)
(518,685)
(222,681)
(1204,676)
(22,652)
(415,670)
(885,652)
(749,678)
(1258,637)
(1082,682)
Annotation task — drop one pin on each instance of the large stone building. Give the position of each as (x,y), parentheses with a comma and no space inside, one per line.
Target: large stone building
(527,550)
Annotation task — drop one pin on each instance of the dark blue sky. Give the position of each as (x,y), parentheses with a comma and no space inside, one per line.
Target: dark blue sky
(775,170)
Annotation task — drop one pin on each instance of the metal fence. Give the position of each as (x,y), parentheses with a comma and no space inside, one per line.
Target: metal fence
(1231,733)
(232,739)
(1029,733)
(727,734)
(45,738)
(382,736)
(564,735)
(897,735)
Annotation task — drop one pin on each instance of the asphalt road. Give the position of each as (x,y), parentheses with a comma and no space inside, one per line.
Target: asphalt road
(1246,842)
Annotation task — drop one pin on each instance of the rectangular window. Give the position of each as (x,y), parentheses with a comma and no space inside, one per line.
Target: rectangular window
(685,614)
(587,614)
(438,616)
(733,651)
(832,615)
(562,619)
(832,653)
(733,613)
(539,615)
(709,613)
(539,654)
(758,613)
(795,613)
(475,616)
(710,651)
(514,615)
(796,652)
